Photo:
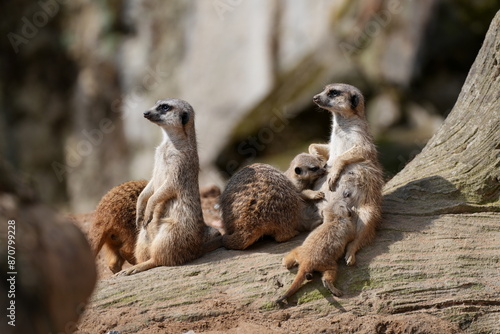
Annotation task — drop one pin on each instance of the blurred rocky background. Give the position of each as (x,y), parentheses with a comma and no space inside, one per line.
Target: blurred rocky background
(77,75)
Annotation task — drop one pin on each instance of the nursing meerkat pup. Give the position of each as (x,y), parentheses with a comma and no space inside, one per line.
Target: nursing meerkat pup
(351,150)
(304,170)
(169,210)
(260,200)
(321,250)
(114,225)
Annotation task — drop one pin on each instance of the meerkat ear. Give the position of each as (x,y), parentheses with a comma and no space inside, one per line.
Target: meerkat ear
(298,171)
(184,118)
(354,101)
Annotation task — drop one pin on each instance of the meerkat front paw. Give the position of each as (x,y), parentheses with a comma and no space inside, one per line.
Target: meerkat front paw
(319,195)
(332,180)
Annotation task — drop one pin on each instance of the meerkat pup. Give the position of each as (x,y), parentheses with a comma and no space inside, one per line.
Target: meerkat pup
(114,225)
(351,150)
(304,170)
(169,210)
(321,250)
(260,200)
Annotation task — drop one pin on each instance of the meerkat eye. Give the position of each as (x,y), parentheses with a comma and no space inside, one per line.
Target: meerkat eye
(333,92)
(163,107)
(314,169)
(298,171)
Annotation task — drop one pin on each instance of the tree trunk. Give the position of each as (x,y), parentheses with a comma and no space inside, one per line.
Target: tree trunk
(433,267)
(458,170)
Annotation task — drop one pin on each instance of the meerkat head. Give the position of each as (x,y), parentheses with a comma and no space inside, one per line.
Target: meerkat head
(171,113)
(307,168)
(341,98)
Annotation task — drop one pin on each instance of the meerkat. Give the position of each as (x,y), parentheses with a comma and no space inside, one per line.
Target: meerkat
(351,150)
(114,225)
(304,170)
(321,250)
(169,210)
(261,200)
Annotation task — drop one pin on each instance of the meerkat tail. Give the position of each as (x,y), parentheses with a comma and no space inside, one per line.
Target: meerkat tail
(96,240)
(301,277)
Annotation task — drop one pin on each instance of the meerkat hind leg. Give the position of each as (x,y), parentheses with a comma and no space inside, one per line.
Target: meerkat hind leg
(328,279)
(138,268)
(283,236)
(114,259)
(238,240)
(365,229)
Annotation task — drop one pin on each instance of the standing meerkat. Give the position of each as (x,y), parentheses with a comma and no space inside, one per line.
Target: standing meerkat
(260,200)
(351,150)
(114,225)
(169,210)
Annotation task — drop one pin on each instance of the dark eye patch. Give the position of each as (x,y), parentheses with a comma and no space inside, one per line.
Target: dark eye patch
(298,171)
(333,92)
(314,169)
(163,107)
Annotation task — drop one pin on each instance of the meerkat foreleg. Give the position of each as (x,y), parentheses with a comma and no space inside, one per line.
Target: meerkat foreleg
(312,194)
(353,155)
(162,195)
(320,150)
(144,196)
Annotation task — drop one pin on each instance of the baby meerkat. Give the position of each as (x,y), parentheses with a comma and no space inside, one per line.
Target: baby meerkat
(114,226)
(260,200)
(169,210)
(351,150)
(321,249)
(304,170)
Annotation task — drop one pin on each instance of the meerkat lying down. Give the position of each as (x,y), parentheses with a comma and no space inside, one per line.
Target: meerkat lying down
(260,200)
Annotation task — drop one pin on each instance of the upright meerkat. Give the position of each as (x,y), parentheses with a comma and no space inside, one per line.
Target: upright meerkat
(260,200)
(169,210)
(114,225)
(351,150)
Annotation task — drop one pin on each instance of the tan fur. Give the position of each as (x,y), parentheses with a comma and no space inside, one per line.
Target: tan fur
(304,170)
(260,200)
(114,225)
(321,249)
(169,210)
(350,151)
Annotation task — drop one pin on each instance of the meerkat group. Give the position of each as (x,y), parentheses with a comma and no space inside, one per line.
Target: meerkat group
(335,186)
